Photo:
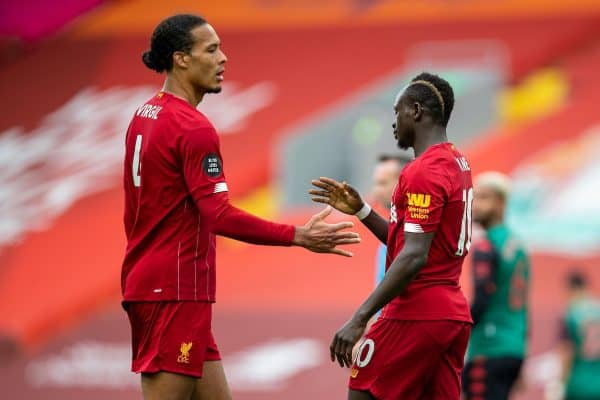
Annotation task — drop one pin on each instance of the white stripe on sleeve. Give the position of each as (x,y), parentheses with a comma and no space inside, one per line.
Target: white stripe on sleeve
(413,228)
(221,187)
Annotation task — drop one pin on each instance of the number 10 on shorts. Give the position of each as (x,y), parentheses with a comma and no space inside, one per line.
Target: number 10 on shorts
(363,358)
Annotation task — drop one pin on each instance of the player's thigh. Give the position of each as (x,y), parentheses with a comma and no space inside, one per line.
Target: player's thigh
(167,386)
(359,395)
(170,337)
(395,360)
(213,384)
(445,380)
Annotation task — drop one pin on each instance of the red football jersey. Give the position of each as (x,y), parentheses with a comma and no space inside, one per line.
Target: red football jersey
(175,201)
(434,194)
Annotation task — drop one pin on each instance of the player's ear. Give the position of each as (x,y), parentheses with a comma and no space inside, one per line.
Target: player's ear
(417,111)
(181,59)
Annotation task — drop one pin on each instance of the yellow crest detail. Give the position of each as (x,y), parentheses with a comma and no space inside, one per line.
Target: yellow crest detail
(353,373)
(184,357)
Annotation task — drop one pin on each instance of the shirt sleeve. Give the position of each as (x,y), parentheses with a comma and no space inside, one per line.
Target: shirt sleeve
(205,179)
(426,191)
(240,225)
(202,162)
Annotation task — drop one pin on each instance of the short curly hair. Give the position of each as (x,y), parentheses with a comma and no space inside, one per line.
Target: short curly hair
(420,90)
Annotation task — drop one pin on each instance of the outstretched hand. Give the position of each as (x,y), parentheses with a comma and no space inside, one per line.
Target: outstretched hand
(321,237)
(340,196)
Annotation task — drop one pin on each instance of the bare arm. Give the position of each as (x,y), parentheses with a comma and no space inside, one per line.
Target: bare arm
(377,225)
(401,272)
(345,198)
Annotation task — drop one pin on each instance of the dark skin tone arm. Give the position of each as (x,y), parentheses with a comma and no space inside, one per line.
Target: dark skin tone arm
(403,269)
(344,198)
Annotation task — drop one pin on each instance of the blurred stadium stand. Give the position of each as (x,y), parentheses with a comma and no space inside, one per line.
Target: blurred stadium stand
(306,83)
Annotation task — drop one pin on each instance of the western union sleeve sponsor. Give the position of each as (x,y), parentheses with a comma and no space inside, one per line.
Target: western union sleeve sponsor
(418,205)
(418,200)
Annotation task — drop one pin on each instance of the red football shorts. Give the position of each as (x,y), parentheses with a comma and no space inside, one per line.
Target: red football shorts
(411,360)
(171,336)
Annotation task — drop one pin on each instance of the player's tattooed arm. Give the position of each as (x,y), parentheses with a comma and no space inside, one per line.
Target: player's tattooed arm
(403,269)
(345,198)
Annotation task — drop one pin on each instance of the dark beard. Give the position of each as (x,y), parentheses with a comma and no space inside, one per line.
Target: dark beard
(406,142)
(215,90)
(403,146)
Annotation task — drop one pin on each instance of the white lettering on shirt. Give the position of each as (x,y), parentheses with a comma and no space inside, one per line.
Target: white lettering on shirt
(148,111)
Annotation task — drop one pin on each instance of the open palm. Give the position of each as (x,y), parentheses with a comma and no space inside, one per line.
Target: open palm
(339,195)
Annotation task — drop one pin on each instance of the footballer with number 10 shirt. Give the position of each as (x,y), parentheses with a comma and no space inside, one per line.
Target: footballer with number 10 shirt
(416,348)
(175,202)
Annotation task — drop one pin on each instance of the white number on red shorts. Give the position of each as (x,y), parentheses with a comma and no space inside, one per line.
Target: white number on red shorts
(364,361)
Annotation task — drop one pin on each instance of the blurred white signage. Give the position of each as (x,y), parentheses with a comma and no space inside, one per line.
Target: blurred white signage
(77,150)
(103,365)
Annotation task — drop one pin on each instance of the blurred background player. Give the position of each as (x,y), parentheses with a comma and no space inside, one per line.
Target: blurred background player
(416,348)
(385,177)
(499,309)
(580,341)
(176,200)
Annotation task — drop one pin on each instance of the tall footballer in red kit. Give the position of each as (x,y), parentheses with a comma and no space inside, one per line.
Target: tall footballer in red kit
(416,348)
(176,201)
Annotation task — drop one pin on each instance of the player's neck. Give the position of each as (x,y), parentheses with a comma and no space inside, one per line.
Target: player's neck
(182,89)
(429,137)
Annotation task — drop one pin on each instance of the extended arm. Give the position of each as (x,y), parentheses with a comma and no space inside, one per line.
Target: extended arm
(199,152)
(317,235)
